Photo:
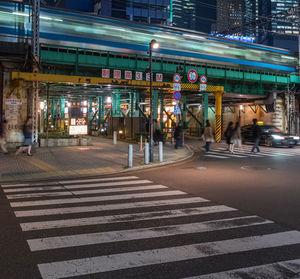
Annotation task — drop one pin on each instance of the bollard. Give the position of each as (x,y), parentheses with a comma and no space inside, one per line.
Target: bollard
(141,143)
(115,137)
(146,153)
(182,139)
(130,156)
(161,151)
(172,140)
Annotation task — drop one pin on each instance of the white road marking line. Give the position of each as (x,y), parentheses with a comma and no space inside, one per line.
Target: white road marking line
(229,154)
(284,269)
(70,181)
(108,263)
(87,221)
(98,179)
(153,232)
(84,192)
(245,153)
(82,186)
(40,188)
(98,208)
(215,156)
(96,199)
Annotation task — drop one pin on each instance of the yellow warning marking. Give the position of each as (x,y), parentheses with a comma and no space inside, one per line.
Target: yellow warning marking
(41,165)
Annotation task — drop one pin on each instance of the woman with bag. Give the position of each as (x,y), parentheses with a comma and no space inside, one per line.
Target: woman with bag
(208,135)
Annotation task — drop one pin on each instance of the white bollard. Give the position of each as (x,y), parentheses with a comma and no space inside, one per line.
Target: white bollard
(115,137)
(130,156)
(146,153)
(161,151)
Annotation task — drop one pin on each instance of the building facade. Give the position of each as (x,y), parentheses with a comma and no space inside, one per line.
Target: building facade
(147,11)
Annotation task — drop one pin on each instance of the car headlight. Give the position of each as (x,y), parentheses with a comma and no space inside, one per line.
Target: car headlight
(296,138)
(277,137)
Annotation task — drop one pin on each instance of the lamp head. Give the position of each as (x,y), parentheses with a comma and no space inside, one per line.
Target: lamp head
(154,44)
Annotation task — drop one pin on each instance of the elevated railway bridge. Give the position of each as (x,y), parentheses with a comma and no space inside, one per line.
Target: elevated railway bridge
(96,70)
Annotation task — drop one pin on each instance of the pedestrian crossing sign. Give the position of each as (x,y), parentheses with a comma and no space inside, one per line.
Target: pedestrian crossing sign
(176,109)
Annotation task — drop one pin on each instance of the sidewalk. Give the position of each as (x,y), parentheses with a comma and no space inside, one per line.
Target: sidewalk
(101,157)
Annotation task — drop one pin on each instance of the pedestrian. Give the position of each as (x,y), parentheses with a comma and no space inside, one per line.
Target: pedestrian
(178,136)
(237,137)
(3,136)
(256,133)
(157,133)
(228,134)
(27,132)
(208,135)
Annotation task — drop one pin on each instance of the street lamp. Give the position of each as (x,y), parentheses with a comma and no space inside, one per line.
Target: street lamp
(153,45)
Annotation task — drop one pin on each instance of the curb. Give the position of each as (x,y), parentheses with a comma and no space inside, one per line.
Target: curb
(137,168)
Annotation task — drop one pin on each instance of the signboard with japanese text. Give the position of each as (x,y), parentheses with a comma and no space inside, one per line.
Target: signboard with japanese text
(13,102)
(128,75)
(117,74)
(105,73)
(139,76)
(78,130)
(159,77)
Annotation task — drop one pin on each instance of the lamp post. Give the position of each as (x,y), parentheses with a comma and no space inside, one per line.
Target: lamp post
(153,45)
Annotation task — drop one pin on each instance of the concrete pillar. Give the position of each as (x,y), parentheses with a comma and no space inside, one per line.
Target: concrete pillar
(155,103)
(90,115)
(218,115)
(162,110)
(62,108)
(205,107)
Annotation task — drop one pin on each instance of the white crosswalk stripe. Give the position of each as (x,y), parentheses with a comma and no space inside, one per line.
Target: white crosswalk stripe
(123,233)
(244,152)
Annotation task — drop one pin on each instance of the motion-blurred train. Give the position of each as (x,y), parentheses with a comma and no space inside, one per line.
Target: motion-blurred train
(71,29)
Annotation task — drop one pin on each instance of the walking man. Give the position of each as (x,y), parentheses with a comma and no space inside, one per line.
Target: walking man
(256,132)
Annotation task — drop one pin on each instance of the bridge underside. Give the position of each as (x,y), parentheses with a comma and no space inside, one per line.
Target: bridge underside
(71,85)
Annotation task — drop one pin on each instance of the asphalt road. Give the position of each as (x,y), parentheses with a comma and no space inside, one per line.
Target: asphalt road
(268,186)
(215,216)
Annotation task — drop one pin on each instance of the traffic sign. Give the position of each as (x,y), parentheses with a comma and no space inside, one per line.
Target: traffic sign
(176,86)
(192,76)
(177,95)
(177,109)
(203,79)
(177,78)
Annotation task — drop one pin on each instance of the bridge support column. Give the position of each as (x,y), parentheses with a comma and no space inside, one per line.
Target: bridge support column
(116,105)
(205,107)
(162,110)
(101,109)
(218,115)
(183,111)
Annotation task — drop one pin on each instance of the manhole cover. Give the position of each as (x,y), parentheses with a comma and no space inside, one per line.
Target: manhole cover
(201,168)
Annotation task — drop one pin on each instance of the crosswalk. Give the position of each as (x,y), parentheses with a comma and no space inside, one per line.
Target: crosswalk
(245,152)
(127,227)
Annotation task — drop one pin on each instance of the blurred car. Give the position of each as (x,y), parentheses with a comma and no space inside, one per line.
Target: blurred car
(270,136)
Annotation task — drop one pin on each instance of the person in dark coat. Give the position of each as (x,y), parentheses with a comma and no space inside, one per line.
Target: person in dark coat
(228,134)
(256,133)
(178,136)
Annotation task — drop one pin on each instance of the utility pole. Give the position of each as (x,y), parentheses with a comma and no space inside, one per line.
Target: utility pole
(35,50)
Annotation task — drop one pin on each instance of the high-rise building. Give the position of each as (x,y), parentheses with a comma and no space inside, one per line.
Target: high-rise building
(229,15)
(196,15)
(148,11)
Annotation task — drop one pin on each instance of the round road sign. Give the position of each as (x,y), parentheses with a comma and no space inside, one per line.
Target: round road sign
(177,95)
(192,76)
(176,78)
(203,79)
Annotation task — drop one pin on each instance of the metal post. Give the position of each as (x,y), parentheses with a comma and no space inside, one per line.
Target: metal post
(160,151)
(130,156)
(151,106)
(115,137)
(205,107)
(47,116)
(146,153)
